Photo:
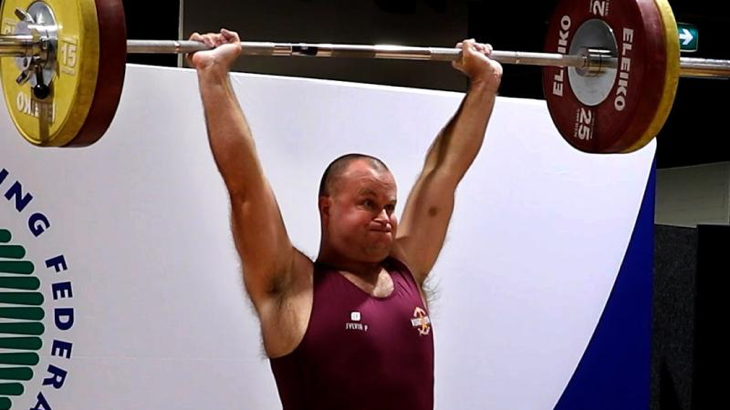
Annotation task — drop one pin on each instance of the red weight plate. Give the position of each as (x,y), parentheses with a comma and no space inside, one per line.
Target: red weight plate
(620,121)
(112,65)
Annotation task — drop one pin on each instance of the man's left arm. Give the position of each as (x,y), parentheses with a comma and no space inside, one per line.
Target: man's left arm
(430,204)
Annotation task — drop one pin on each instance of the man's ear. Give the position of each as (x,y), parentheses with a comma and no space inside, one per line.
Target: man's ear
(325,204)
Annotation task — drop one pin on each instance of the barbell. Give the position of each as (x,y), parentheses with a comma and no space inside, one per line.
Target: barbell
(611,68)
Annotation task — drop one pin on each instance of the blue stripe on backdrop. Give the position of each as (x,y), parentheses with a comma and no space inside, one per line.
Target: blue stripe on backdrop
(614,372)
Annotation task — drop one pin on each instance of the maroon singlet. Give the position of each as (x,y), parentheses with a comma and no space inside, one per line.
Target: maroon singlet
(360,351)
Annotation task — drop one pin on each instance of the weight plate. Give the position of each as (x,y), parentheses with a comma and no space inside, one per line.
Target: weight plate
(618,123)
(88,74)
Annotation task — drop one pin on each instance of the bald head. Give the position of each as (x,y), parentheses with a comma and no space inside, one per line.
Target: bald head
(337,168)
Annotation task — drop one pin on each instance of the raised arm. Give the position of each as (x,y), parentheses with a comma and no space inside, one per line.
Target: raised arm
(431,201)
(258,229)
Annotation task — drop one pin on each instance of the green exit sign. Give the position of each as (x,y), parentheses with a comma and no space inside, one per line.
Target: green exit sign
(689,36)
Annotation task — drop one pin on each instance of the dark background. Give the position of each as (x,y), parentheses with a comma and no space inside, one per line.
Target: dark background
(695,133)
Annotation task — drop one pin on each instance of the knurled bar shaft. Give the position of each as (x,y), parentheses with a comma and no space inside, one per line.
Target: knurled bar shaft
(357,51)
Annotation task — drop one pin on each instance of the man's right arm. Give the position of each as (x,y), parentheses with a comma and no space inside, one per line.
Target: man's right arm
(258,229)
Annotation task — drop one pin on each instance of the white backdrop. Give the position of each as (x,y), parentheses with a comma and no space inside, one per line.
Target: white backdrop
(161,320)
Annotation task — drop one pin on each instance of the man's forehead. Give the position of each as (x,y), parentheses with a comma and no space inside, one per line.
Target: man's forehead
(369,178)
(369,181)
(363,170)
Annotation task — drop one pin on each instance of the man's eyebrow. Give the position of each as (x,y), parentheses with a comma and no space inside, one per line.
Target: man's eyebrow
(366,191)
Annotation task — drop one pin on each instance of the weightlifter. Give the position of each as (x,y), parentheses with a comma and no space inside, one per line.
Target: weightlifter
(350,330)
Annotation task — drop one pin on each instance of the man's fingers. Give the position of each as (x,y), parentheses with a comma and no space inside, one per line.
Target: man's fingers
(470,45)
(470,48)
(208,40)
(486,49)
(482,48)
(231,36)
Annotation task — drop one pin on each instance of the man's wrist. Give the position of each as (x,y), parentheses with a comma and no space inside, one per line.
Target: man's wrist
(213,73)
(488,85)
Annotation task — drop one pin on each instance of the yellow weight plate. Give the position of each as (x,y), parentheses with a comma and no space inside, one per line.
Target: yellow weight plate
(56,120)
(671,78)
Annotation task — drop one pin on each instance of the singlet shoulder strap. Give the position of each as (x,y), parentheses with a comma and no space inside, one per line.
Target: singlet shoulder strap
(396,265)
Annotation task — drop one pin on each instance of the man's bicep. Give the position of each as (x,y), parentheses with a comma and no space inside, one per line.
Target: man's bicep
(261,240)
(425,221)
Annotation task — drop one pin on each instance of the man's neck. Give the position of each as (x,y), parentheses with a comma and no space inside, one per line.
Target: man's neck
(364,270)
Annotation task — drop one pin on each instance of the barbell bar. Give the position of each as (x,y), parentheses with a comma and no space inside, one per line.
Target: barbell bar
(389,52)
(65,48)
(18,45)
(704,68)
(689,67)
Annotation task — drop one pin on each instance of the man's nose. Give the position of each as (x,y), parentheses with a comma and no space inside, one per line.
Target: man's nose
(383,217)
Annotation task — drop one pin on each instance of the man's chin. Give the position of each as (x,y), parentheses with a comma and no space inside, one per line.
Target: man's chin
(380,252)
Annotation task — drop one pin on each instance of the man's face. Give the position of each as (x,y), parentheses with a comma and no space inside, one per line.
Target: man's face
(359,215)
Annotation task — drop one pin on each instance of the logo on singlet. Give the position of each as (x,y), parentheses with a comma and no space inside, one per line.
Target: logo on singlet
(421,321)
(354,323)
